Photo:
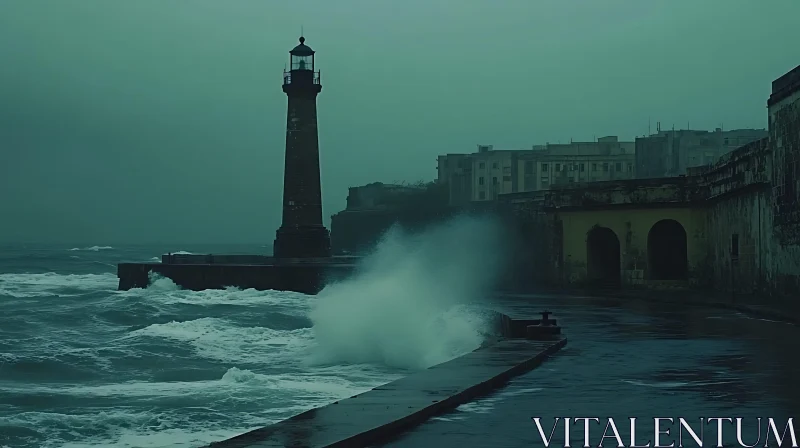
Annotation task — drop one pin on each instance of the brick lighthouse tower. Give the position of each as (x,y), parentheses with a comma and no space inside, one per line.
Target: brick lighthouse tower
(302,234)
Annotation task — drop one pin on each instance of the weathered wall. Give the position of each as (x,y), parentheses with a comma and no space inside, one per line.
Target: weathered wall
(632,193)
(631,229)
(532,241)
(784,121)
(781,262)
(737,192)
(739,220)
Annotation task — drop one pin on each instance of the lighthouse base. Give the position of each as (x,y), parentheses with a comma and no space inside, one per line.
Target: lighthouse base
(302,242)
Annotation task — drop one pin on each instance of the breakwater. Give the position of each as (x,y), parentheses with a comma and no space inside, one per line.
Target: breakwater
(199,272)
(387,411)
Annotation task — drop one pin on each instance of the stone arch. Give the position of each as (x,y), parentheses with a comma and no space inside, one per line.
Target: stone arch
(667,251)
(603,257)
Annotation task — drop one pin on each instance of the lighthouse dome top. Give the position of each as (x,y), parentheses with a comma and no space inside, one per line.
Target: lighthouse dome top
(302,49)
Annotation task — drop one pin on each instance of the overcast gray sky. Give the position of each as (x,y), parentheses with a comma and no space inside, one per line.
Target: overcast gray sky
(163,121)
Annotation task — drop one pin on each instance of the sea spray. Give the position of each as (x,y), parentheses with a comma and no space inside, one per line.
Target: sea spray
(408,305)
(158,282)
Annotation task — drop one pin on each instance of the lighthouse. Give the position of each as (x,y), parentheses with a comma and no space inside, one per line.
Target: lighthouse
(302,233)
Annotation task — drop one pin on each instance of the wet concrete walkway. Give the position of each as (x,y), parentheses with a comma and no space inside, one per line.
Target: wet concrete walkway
(407,402)
(630,358)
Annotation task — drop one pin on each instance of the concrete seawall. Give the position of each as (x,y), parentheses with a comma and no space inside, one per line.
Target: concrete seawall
(387,411)
(221,271)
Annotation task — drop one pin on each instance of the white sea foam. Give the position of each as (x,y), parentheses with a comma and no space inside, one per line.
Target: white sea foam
(164,291)
(38,285)
(160,283)
(406,306)
(219,339)
(92,248)
(285,387)
(126,428)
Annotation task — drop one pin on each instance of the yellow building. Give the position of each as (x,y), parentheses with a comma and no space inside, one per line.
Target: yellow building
(487,173)
(733,225)
(632,232)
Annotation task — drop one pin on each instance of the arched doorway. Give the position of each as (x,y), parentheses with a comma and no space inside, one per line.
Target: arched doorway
(666,251)
(602,257)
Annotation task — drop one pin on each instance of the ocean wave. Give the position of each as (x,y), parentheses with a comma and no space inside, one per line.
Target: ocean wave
(126,428)
(188,420)
(51,283)
(92,248)
(165,292)
(320,388)
(55,352)
(218,339)
(294,302)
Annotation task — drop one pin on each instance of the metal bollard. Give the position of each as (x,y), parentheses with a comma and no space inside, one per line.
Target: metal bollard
(546,328)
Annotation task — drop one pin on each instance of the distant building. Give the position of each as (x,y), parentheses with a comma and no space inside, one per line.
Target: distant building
(487,173)
(493,173)
(606,159)
(455,173)
(669,153)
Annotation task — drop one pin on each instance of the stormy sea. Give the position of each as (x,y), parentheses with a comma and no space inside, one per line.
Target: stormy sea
(82,364)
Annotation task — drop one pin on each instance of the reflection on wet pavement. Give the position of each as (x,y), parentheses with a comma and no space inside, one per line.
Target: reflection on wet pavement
(635,359)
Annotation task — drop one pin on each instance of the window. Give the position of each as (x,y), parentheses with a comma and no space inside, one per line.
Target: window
(594,167)
(545,184)
(482,165)
(494,181)
(618,167)
(630,167)
(506,170)
(583,167)
(571,167)
(544,167)
(481,195)
(726,142)
(735,245)
(506,178)
(605,167)
(480,180)
(494,165)
(528,167)
(558,167)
